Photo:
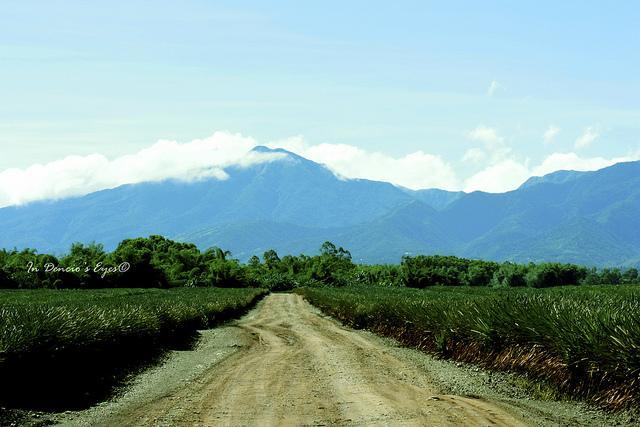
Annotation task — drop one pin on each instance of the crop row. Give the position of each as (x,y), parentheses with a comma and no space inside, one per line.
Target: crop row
(70,343)
(585,341)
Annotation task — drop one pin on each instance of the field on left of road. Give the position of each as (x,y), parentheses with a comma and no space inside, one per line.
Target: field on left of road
(64,349)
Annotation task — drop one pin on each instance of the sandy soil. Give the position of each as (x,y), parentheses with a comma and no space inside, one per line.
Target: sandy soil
(286,364)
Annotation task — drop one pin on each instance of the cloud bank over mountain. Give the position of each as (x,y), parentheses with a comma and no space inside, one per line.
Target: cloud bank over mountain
(499,169)
(79,175)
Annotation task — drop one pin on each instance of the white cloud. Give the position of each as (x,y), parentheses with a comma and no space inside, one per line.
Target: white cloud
(474,155)
(500,177)
(494,86)
(495,148)
(589,135)
(503,172)
(488,136)
(78,175)
(415,170)
(509,174)
(572,161)
(550,134)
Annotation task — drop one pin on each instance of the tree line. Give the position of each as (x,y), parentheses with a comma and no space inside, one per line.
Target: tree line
(160,262)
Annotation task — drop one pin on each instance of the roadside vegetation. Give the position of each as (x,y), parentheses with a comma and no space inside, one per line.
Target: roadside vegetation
(583,340)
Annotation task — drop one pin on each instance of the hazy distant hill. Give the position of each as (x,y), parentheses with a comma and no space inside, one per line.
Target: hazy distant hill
(293,205)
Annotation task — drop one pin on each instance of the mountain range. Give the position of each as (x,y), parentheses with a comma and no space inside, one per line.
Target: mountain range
(292,204)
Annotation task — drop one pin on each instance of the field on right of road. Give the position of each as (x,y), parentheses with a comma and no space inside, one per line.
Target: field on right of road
(584,341)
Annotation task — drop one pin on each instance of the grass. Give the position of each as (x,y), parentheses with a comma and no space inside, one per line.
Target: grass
(68,348)
(583,340)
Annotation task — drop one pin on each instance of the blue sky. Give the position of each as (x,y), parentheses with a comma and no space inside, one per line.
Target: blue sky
(393,78)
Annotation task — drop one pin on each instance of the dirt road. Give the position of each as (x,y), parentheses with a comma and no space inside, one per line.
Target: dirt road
(286,364)
(304,369)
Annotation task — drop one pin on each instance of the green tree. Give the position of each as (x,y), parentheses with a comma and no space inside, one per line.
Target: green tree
(610,276)
(138,255)
(630,277)
(271,260)
(510,275)
(86,258)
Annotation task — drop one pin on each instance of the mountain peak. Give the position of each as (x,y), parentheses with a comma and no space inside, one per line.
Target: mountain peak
(265,149)
(284,155)
(269,150)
